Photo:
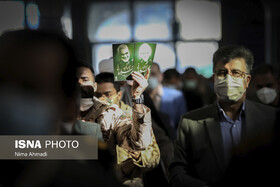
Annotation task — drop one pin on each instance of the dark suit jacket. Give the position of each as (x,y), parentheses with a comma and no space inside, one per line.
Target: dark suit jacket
(199,155)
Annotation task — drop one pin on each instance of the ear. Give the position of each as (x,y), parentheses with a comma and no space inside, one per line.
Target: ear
(248,79)
(95,87)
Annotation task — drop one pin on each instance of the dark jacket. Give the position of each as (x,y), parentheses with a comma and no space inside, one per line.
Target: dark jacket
(199,155)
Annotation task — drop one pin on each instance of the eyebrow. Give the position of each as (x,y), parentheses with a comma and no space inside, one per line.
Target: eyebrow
(224,69)
(238,70)
(104,92)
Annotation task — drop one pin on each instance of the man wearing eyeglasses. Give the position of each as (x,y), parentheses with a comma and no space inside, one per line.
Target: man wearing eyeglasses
(210,137)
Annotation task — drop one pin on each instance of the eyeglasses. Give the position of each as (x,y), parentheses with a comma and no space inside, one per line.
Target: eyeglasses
(234,73)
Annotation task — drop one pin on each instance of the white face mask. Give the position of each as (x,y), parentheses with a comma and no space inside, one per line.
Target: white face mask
(229,89)
(111,101)
(267,95)
(85,103)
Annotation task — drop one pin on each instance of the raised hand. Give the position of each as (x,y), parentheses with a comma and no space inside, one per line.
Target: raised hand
(140,83)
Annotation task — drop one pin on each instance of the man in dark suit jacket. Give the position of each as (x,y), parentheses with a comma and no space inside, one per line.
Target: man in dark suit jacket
(208,138)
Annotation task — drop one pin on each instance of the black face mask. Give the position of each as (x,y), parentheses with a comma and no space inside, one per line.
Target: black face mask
(87,91)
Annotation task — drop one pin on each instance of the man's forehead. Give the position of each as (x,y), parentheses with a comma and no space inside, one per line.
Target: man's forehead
(105,87)
(124,50)
(236,63)
(189,75)
(83,71)
(155,68)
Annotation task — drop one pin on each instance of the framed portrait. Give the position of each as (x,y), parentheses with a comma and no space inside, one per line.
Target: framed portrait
(129,57)
(123,57)
(144,57)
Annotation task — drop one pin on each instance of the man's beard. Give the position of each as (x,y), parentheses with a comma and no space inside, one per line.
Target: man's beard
(87,91)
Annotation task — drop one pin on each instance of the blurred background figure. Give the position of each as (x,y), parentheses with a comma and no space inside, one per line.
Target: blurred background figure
(39,93)
(165,135)
(190,89)
(167,100)
(172,79)
(197,90)
(106,65)
(266,81)
(38,86)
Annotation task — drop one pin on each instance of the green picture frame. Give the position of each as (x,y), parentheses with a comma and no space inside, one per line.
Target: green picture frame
(129,57)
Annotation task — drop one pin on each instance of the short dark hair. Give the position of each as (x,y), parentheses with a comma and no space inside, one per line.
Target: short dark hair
(170,73)
(83,64)
(227,53)
(190,70)
(105,77)
(265,69)
(156,64)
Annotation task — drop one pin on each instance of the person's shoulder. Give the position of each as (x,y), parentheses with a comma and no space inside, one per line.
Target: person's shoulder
(201,113)
(261,107)
(115,112)
(253,97)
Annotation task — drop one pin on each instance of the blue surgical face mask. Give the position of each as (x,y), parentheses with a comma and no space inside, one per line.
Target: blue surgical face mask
(152,83)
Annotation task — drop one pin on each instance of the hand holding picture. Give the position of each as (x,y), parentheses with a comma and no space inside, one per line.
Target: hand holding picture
(140,83)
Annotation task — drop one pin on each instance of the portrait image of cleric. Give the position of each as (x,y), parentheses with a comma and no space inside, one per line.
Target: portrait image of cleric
(144,56)
(123,61)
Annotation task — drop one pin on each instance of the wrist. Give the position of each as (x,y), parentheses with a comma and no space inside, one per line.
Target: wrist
(138,99)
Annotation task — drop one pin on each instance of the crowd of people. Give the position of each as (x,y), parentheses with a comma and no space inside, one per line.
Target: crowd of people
(166,129)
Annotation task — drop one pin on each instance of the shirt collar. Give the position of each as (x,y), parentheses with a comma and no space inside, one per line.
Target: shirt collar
(221,110)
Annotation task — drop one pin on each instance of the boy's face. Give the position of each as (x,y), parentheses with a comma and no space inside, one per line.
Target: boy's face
(106,91)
